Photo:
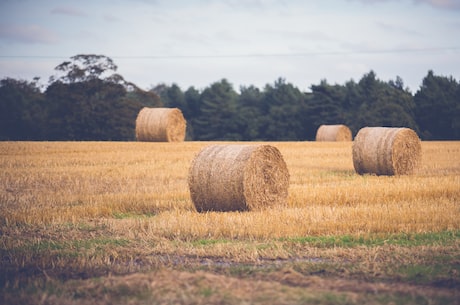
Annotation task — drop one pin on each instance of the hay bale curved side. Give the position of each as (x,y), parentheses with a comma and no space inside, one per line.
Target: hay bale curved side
(333,133)
(386,151)
(238,178)
(160,125)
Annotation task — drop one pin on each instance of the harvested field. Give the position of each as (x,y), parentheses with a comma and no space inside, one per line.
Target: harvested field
(113,223)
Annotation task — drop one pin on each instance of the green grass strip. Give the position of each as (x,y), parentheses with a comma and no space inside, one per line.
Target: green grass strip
(372,240)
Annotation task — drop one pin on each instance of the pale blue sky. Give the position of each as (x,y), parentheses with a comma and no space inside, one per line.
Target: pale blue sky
(252,42)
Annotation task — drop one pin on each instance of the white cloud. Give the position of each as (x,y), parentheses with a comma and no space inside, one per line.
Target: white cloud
(111,18)
(29,34)
(68,11)
(443,4)
(397,28)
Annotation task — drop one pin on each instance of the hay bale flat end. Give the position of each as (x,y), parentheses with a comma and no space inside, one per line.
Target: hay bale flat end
(333,133)
(238,178)
(160,125)
(386,151)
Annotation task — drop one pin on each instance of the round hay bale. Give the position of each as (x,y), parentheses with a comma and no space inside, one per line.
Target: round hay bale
(386,151)
(333,133)
(160,125)
(238,178)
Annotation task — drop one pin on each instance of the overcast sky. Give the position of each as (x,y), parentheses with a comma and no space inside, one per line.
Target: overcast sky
(248,42)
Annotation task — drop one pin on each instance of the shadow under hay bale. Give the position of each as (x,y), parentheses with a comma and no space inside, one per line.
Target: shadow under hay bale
(333,133)
(238,178)
(386,151)
(160,125)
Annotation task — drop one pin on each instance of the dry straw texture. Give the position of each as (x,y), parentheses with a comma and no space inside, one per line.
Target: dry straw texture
(238,178)
(333,133)
(386,151)
(160,125)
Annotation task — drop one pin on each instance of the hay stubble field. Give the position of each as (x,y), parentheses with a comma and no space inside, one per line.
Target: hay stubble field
(113,223)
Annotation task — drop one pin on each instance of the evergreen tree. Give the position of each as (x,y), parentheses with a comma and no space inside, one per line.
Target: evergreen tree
(251,114)
(389,105)
(437,107)
(325,106)
(173,97)
(217,113)
(192,99)
(286,108)
(22,113)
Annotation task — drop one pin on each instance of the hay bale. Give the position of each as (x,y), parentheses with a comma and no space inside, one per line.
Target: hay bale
(160,125)
(333,133)
(238,178)
(386,151)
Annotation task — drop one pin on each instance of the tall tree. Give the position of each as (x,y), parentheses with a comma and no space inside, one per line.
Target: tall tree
(173,97)
(193,100)
(91,110)
(251,115)
(85,67)
(89,101)
(438,107)
(217,113)
(325,106)
(22,113)
(373,102)
(286,106)
(392,105)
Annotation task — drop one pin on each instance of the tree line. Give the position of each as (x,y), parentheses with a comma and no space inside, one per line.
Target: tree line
(280,111)
(89,101)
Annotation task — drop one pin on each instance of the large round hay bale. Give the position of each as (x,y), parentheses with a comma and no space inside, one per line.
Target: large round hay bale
(160,125)
(333,133)
(238,178)
(386,151)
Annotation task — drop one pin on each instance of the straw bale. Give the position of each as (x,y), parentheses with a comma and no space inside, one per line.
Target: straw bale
(238,177)
(386,151)
(160,125)
(333,133)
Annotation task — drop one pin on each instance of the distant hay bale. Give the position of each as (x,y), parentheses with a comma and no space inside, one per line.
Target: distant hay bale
(386,151)
(333,133)
(160,125)
(238,178)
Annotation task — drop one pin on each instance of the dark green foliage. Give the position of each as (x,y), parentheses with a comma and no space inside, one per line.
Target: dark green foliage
(218,109)
(80,105)
(90,103)
(22,115)
(85,67)
(438,107)
(387,104)
(252,116)
(188,102)
(286,108)
(326,105)
(91,110)
(370,102)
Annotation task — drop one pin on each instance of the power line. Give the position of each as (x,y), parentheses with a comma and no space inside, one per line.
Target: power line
(300,54)
(254,55)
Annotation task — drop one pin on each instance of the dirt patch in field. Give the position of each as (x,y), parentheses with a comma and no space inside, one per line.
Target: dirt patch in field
(285,286)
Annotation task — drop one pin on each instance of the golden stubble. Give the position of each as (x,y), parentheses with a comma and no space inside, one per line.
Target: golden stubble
(140,189)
